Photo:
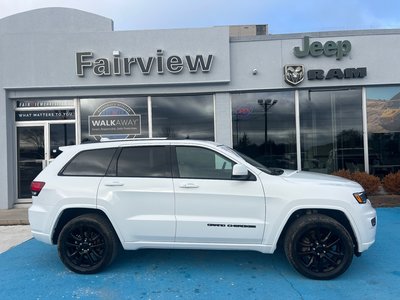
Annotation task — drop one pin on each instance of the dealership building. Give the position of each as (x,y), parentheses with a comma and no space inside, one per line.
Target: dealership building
(319,101)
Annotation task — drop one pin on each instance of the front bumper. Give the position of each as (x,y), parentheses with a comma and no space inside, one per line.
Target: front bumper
(367,224)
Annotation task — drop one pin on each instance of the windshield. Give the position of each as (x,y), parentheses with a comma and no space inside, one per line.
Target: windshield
(258,165)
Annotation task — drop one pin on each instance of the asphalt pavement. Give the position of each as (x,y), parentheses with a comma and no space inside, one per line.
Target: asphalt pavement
(32,270)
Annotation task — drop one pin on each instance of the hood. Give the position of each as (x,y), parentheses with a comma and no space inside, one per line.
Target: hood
(318,178)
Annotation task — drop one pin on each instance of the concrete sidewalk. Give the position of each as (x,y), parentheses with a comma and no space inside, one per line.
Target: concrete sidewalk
(14,228)
(11,236)
(15,216)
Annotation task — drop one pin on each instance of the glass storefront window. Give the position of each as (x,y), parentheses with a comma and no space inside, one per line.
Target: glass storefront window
(61,135)
(264,128)
(383,110)
(331,130)
(183,117)
(113,118)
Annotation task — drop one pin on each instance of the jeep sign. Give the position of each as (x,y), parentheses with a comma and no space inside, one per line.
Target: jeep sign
(330,48)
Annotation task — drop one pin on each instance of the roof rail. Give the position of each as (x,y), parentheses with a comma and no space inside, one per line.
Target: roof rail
(104,139)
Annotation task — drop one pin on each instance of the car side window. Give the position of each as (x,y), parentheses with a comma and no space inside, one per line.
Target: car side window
(196,162)
(153,161)
(89,163)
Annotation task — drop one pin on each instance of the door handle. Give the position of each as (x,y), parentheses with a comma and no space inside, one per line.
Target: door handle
(114,184)
(189,186)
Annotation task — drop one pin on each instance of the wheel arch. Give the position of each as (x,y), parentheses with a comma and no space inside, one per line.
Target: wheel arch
(335,214)
(71,213)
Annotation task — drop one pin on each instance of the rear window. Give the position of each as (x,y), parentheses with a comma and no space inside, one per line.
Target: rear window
(89,163)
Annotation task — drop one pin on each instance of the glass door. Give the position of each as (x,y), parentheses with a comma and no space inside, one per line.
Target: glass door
(37,146)
(60,135)
(31,156)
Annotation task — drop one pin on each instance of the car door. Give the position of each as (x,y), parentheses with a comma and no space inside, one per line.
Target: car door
(211,207)
(138,194)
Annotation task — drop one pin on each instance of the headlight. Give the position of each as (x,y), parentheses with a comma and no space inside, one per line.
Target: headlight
(361,197)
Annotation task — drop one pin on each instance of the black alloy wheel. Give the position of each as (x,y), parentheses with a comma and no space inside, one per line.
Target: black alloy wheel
(87,244)
(319,247)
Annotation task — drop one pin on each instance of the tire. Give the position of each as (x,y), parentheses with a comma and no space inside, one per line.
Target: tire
(318,247)
(87,244)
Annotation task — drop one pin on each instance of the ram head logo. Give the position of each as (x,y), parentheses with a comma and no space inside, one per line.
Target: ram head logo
(294,74)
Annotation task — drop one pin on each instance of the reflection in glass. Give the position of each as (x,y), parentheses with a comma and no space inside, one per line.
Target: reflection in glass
(383,109)
(144,162)
(90,163)
(264,129)
(331,130)
(183,117)
(88,107)
(61,135)
(30,147)
(194,162)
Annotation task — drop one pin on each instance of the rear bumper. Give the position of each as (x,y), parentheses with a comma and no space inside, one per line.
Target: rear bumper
(43,237)
(39,222)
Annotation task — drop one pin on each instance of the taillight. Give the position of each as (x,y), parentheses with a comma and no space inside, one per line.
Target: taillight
(36,187)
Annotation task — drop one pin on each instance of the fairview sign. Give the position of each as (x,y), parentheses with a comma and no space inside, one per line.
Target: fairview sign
(118,65)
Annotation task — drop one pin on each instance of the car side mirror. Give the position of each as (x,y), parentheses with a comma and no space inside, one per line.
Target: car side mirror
(240,172)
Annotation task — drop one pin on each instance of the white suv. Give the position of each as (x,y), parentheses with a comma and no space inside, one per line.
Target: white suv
(94,198)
